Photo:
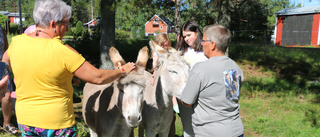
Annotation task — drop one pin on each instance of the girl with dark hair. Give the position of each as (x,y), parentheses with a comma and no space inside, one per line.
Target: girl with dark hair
(189,43)
(190,37)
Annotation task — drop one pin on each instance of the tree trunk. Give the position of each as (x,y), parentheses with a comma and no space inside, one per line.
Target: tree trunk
(107,25)
(224,17)
(219,4)
(177,19)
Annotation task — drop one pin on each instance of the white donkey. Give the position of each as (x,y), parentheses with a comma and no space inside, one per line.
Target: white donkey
(170,79)
(114,109)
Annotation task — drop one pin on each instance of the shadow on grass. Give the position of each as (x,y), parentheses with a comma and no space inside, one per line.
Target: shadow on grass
(296,70)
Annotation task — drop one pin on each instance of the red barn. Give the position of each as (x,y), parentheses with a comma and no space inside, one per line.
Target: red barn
(158,24)
(298,27)
(14,17)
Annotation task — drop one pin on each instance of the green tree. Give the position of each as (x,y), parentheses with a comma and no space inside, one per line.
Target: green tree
(130,14)
(270,7)
(3,5)
(81,11)
(124,15)
(107,12)
(177,16)
(96,8)
(27,8)
(141,32)
(3,19)
(134,32)
(78,29)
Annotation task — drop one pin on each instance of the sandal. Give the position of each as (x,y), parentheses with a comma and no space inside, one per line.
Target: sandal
(10,128)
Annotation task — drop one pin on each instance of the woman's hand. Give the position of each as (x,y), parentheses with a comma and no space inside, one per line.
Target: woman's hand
(127,68)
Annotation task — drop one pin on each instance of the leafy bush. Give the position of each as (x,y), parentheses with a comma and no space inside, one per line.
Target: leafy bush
(157,32)
(122,33)
(3,19)
(134,32)
(141,32)
(151,37)
(85,43)
(172,36)
(15,28)
(68,33)
(78,30)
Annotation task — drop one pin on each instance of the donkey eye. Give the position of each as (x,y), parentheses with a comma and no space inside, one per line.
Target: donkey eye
(172,71)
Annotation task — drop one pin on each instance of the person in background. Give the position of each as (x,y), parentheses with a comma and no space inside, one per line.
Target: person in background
(43,67)
(213,88)
(163,40)
(6,100)
(30,29)
(189,43)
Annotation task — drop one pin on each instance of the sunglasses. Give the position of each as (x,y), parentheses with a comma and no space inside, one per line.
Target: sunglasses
(67,24)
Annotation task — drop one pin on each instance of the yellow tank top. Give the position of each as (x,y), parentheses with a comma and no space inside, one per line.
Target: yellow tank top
(43,73)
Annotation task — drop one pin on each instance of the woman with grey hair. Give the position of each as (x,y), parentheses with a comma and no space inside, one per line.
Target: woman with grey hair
(43,68)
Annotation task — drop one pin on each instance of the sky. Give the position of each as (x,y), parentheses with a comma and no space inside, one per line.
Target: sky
(306,3)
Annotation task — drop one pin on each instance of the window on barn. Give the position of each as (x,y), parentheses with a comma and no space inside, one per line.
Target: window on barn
(161,27)
(156,21)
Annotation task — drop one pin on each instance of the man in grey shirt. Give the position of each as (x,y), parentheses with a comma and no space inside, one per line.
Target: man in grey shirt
(213,88)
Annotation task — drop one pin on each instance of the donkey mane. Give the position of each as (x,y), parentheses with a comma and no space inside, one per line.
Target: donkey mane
(176,58)
(134,77)
(173,56)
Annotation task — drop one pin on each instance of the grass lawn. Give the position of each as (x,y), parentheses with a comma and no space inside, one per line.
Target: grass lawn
(279,116)
(280,94)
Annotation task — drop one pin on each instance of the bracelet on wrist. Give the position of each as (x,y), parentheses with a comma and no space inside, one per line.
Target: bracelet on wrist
(123,71)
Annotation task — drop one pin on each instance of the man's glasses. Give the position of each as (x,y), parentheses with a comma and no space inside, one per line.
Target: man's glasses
(203,41)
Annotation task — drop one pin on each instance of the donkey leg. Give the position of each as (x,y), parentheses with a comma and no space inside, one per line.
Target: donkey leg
(124,132)
(164,132)
(150,133)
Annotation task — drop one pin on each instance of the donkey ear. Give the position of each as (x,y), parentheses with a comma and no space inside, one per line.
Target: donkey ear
(115,57)
(156,48)
(172,50)
(143,57)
